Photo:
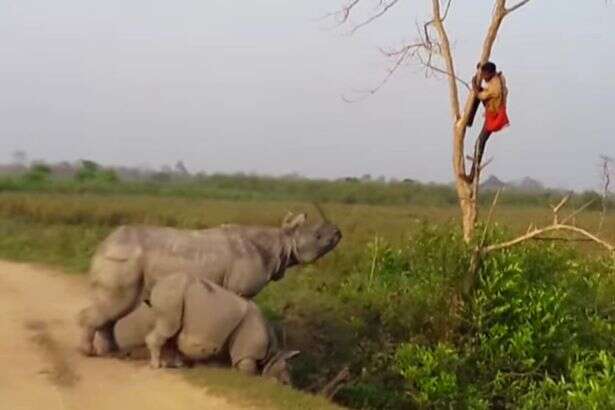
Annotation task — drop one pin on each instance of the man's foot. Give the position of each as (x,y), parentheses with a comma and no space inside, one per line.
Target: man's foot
(467,178)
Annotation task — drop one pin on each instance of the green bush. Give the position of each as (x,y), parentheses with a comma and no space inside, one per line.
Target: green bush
(38,173)
(90,171)
(530,336)
(431,373)
(589,386)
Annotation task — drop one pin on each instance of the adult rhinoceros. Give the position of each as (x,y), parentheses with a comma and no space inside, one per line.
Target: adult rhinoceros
(242,259)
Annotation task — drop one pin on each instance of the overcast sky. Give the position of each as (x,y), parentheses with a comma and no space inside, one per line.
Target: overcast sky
(256,86)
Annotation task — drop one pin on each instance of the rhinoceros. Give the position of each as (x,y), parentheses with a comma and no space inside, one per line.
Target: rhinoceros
(242,259)
(203,321)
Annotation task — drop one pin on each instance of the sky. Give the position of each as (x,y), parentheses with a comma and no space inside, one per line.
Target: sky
(229,86)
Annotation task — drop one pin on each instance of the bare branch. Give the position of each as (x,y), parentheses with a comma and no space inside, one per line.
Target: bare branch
(516,6)
(344,13)
(331,388)
(606,182)
(537,233)
(400,56)
(561,203)
(560,238)
(557,208)
(447,56)
(555,227)
(486,164)
(386,7)
(430,66)
(578,211)
(430,22)
(489,216)
(446,9)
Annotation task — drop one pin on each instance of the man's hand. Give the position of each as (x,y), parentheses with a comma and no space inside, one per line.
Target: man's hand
(476,84)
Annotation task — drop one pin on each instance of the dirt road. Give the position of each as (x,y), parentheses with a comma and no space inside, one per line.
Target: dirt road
(39,365)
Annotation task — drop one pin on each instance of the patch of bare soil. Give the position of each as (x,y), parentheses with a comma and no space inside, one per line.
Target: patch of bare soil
(40,367)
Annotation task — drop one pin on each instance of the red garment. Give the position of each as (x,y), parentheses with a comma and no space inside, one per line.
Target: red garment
(495,121)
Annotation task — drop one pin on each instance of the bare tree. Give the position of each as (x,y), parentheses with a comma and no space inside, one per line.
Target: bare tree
(605,169)
(20,157)
(181,169)
(432,49)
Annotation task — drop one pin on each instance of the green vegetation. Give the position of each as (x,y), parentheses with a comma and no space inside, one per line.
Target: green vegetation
(537,333)
(92,172)
(93,179)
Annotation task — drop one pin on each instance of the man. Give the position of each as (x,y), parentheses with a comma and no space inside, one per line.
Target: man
(493,97)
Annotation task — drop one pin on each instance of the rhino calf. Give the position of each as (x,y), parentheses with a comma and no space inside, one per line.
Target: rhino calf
(206,321)
(242,259)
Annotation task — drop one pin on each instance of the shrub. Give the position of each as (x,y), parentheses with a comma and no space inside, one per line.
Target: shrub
(90,171)
(431,373)
(532,336)
(38,173)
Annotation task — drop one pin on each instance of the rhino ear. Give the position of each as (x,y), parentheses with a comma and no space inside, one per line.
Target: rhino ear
(292,222)
(287,219)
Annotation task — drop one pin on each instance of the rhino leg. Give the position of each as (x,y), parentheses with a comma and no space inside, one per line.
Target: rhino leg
(103,341)
(108,306)
(116,285)
(247,366)
(166,327)
(167,301)
(250,341)
(171,357)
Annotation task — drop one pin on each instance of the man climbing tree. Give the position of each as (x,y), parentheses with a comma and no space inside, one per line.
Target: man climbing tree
(432,49)
(493,96)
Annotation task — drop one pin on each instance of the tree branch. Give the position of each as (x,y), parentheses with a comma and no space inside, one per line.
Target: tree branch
(400,56)
(445,50)
(606,182)
(446,9)
(578,211)
(489,216)
(536,233)
(331,388)
(555,227)
(430,66)
(345,12)
(383,11)
(516,6)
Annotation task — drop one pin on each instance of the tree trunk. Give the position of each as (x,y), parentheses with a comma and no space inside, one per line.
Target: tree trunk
(469,210)
(465,188)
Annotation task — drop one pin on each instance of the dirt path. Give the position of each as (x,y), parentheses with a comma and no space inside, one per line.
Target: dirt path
(39,365)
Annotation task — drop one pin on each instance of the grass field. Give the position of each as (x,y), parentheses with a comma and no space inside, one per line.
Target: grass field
(390,280)
(63,229)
